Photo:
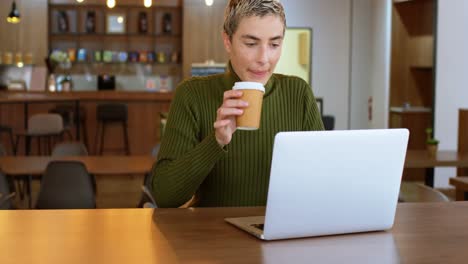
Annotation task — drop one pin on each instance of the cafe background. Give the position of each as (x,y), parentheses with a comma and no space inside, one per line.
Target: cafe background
(350,55)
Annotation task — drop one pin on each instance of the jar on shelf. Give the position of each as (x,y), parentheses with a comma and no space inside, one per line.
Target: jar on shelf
(90,22)
(63,22)
(142,23)
(167,23)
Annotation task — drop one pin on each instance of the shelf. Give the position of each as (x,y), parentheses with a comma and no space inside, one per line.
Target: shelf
(411,109)
(155,40)
(421,68)
(16,65)
(126,63)
(59,4)
(401,1)
(116,34)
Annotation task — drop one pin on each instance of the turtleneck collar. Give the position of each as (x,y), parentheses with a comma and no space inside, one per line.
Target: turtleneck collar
(230,77)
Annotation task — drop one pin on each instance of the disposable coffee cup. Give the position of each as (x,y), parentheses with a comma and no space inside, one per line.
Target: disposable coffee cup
(252,92)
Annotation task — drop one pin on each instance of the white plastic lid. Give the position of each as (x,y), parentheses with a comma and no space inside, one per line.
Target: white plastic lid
(249,85)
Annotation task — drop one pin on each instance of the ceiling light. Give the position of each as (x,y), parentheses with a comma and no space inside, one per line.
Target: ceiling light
(110,3)
(209,2)
(147,3)
(14,16)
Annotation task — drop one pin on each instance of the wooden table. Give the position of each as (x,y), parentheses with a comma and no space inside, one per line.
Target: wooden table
(461,187)
(417,159)
(423,233)
(97,165)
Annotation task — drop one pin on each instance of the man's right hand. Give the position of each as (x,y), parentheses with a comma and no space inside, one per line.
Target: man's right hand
(225,124)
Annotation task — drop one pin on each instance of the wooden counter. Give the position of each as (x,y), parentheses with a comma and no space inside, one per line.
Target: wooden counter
(20,97)
(144,110)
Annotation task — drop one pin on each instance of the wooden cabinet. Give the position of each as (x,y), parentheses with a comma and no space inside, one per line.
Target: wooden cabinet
(412,71)
(462,137)
(412,65)
(98,39)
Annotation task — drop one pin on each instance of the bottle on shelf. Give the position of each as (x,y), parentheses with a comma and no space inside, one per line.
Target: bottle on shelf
(63,22)
(67,84)
(142,23)
(91,22)
(51,83)
(167,23)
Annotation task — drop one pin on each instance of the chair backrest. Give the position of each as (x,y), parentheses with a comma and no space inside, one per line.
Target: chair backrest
(70,149)
(112,112)
(68,112)
(5,194)
(66,185)
(417,192)
(2,150)
(147,199)
(328,122)
(45,124)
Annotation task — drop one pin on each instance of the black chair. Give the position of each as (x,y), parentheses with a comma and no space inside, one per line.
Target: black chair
(70,119)
(328,122)
(2,150)
(6,184)
(5,194)
(66,185)
(111,113)
(147,199)
(9,131)
(73,149)
(70,149)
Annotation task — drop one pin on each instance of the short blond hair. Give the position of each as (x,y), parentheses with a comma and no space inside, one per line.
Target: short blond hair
(238,9)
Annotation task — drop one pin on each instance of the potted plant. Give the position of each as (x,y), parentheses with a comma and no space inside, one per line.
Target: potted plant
(431,143)
(58,58)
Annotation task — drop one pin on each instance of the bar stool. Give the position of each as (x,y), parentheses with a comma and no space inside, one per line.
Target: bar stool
(42,127)
(111,113)
(9,131)
(70,119)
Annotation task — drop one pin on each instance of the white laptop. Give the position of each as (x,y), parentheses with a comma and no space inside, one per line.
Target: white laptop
(331,182)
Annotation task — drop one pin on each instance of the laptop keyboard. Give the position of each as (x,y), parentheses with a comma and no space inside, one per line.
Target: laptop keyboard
(259,226)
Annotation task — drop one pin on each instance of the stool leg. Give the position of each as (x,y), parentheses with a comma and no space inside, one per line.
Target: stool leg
(17,142)
(28,145)
(69,134)
(103,132)
(96,138)
(39,146)
(12,141)
(49,145)
(85,134)
(127,145)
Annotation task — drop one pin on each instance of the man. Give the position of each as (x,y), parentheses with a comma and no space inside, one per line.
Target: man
(201,152)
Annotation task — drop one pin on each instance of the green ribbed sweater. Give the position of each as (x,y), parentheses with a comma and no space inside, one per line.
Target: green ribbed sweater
(191,161)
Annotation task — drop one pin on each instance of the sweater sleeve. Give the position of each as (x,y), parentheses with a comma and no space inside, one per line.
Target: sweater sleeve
(312,116)
(184,160)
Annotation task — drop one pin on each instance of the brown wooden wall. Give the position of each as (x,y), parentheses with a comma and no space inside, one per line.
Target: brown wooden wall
(412,53)
(202,33)
(30,35)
